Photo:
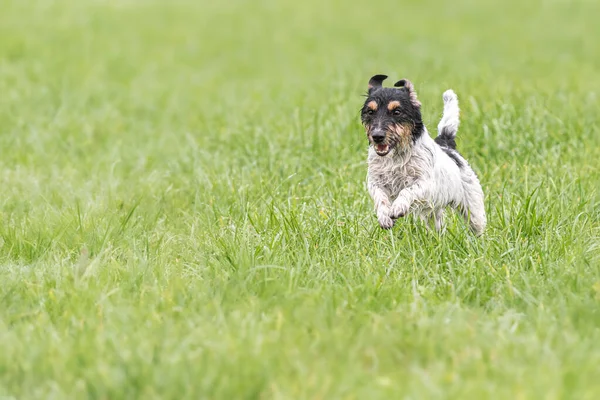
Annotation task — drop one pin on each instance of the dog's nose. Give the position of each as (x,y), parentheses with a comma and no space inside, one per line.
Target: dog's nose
(378,136)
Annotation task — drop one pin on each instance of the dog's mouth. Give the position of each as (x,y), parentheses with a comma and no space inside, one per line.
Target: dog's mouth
(382,149)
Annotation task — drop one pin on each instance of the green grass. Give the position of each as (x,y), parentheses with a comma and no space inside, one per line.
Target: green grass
(183,211)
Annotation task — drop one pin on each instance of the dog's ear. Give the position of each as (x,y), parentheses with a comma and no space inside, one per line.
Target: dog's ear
(375,82)
(405,83)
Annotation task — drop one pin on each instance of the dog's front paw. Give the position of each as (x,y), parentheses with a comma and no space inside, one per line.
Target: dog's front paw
(385,221)
(400,208)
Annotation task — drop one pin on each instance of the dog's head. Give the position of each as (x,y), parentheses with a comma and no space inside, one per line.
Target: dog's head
(391,116)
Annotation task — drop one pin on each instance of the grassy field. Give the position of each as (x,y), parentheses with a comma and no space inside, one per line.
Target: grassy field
(183,211)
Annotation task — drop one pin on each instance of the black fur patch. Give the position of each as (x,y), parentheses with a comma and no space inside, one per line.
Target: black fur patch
(454,155)
(446,139)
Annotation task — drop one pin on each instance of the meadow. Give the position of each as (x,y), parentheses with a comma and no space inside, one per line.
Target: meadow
(183,212)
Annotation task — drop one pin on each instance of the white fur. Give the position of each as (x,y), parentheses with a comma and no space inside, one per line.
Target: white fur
(424,180)
(450,119)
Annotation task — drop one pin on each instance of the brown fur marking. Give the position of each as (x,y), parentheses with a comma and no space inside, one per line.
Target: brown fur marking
(392,105)
(372,105)
(403,133)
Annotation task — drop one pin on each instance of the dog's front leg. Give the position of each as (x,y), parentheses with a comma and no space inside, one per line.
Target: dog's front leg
(407,196)
(382,206)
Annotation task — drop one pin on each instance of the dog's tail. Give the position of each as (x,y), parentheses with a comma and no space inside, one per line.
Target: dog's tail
(448,125)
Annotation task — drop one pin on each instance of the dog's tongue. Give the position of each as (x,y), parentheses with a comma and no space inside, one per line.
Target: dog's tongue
(381,147)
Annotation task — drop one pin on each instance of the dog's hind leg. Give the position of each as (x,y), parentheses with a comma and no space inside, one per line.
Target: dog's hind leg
(427,220)
(434,220)
(475,217)
(473,207)
(438,219)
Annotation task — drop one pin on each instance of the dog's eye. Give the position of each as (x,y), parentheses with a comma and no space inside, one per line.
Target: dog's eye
(396,112)
(370,112)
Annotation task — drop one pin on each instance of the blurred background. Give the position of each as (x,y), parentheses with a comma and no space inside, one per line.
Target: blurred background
(206,60)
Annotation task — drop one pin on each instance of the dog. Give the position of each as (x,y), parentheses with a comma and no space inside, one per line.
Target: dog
(408,171)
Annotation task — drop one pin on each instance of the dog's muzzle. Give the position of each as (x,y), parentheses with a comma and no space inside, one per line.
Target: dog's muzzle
(378,136)
(381,148)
